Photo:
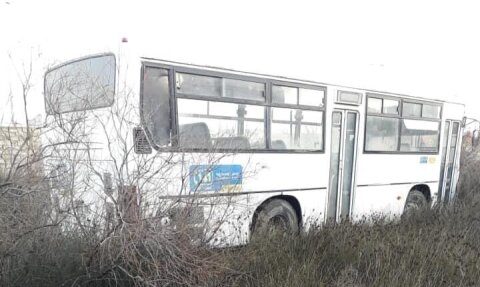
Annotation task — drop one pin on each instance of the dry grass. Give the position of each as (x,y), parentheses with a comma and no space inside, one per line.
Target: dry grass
(434,247)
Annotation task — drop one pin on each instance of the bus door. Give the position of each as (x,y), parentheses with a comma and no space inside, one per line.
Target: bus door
(450,152)
(344,134)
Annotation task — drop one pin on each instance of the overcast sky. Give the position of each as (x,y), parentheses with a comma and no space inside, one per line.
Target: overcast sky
(421,48)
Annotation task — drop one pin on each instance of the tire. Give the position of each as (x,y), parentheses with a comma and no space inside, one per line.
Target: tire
(415,201)
(276,215)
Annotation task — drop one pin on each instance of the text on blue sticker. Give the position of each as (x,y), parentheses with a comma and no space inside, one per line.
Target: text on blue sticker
(214,177)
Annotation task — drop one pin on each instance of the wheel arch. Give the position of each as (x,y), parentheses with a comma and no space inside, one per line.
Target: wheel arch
(424,189)
(292,200)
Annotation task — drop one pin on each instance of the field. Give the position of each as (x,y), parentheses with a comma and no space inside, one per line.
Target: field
(432,247)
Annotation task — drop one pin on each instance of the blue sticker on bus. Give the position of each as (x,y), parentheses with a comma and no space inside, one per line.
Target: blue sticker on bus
(423,159)
(217,178)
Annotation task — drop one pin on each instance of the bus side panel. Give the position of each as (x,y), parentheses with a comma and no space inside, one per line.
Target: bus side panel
(312,204)
(274,171)
(382,200)
(397,168)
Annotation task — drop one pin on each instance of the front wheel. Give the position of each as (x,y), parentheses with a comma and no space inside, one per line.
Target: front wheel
(277,215)
(415,201)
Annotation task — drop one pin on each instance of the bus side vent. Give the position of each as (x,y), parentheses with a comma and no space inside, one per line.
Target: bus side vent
(141,145)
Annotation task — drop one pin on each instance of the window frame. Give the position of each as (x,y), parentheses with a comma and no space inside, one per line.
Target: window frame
(271,104)
(223,150)
(412,103)
(365,135)
(216,99)
(420,152)
(267,104)
(401,117)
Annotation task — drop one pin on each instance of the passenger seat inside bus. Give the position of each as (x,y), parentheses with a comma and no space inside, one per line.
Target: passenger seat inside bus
(235,143)
(279,144)
(404,146)
(196,135)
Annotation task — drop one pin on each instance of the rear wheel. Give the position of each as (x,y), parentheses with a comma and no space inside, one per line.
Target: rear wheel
(276,215)
(415,201)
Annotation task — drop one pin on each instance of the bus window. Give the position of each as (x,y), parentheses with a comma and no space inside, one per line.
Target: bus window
(419,136)
(189,84)
(219,125)
(374,105)
(296,129)
(390,107)
(388,131)
(81,85)
(284,95)
(381,134)
(412,110)
(207,86)
(310,97)
(431,111)
(297,96)
(244,90)
(156,105)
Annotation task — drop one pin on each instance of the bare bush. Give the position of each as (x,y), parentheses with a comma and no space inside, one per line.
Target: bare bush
(82,208)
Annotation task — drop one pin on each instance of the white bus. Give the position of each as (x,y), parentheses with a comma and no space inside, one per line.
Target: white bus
(273,150)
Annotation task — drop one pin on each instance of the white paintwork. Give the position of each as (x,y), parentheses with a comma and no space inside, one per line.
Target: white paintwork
(276,174)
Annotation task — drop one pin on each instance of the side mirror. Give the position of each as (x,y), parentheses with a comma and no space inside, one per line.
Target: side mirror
(83,84)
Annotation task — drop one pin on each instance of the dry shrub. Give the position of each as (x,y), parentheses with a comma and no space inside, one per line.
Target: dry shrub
(433,247)
(138,255)
(132,255)
(469,181)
